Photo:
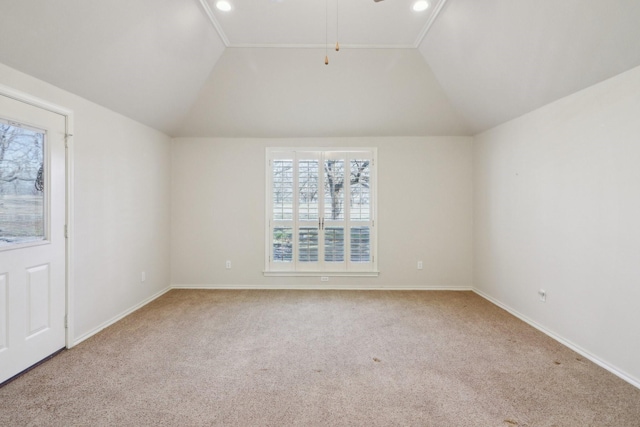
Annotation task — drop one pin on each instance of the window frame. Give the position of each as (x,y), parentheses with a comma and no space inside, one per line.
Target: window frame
(322,267)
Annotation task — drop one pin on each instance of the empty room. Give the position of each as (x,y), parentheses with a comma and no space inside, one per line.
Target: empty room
(329,212)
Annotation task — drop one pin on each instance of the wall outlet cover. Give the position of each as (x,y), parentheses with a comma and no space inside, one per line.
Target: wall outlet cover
(543,295)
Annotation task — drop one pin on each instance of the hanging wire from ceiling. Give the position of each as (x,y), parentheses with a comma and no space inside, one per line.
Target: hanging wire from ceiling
(326,32)
(337,27)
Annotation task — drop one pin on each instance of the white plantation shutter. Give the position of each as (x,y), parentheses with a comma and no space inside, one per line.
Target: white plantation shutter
(361,219)
(307,172)
(320,211)
(281,212)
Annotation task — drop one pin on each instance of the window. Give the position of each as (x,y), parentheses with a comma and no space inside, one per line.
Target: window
(321,211)
(22,183)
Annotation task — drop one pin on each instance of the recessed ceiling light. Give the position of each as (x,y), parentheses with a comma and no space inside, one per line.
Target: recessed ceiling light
(421,5)
(224,6)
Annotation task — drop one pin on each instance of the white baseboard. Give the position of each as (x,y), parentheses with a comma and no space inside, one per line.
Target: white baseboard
(581,351)
(120,316)
(617,372)
(324,287)
(125,313)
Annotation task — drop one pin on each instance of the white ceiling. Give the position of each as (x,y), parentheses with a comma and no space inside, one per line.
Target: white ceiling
(146,59)
(183,67)
(499,59)
(311,23)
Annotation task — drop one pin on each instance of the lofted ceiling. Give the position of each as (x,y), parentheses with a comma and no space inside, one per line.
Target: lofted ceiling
(499,59)
(290,23)
(145,59)
(186,68)
(257,92)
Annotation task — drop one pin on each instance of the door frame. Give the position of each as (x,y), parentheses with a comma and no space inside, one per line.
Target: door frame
(68,120)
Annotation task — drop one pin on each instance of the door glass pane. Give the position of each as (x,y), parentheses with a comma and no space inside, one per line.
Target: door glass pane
(308,244)
(360,194)
(334,244)
(334,190)
(22,184)
(282,189)
(308,189)
(282,244)
(360,244)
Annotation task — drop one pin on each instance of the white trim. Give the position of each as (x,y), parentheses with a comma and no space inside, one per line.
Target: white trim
(70,231)
(429,24)
(318,268)
(318,46)
(214,22)
(68,116)
(120,316)
(32,100)
(31,244)
(581,351)
(319,286)
(227,43)
(275,273)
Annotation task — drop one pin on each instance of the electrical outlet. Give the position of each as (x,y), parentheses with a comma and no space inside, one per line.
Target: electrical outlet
(143,276)
(419,265)
(324,279)
(543,295)
(227,265)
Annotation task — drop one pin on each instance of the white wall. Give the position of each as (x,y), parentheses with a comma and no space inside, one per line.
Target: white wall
(557,206)
(424,212)
(121,208)
(284,93)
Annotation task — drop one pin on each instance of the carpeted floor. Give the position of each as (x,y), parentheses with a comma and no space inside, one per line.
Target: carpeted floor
(326,358)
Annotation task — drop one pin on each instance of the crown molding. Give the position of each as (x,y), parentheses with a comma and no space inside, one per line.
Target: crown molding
(319,46)
(227,43)
(429,23)
(214,22)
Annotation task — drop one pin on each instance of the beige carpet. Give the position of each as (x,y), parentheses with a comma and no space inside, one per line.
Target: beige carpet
(306,358)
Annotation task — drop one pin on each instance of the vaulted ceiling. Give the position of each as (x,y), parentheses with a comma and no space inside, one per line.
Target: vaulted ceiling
(186,68)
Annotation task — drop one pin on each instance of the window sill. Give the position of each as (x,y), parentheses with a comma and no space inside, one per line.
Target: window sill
(321,273)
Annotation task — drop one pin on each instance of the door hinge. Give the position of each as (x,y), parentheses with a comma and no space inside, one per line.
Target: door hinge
(66,234)
(66,139)
(66,321)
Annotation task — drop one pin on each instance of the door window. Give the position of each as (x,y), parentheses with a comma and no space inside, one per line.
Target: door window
(22,184)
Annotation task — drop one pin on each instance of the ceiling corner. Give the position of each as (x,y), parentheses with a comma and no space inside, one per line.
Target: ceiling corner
(434,15)
(214,22)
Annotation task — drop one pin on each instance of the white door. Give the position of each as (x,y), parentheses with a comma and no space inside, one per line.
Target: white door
(32,241)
